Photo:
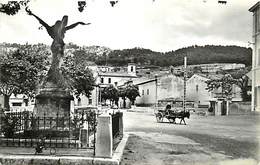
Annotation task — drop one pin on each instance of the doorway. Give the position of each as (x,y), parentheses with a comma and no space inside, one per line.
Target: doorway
(224,107)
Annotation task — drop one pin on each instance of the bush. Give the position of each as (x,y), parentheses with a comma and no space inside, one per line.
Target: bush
(8,125)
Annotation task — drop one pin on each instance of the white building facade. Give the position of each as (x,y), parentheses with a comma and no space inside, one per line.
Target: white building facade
(256,57)
(105,76)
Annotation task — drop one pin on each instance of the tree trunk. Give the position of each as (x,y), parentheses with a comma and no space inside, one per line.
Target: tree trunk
(244,95)
(6,102)
(124,103)
(133,102)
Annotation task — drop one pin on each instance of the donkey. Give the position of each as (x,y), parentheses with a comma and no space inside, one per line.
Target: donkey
(181,115)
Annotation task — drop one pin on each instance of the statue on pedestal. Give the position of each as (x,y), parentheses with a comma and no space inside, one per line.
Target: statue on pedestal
(56,32)
(53,98)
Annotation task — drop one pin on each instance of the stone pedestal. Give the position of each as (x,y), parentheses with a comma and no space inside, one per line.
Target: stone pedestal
(104,143)
(53,101)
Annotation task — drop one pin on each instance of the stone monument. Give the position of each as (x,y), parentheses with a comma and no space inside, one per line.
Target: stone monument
(54,95)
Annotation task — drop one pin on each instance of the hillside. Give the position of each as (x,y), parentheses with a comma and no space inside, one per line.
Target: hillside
(211,54)
(195,55)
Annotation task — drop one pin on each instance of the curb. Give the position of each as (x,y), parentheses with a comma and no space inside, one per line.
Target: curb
(65,160)
(117,156)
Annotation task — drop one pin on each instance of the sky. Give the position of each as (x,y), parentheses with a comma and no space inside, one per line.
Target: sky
(159,25)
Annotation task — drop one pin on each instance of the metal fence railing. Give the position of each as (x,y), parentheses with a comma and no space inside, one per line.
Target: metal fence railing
(24,129)
(116,117)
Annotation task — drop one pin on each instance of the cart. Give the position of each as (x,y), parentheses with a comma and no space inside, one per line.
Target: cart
(176,110)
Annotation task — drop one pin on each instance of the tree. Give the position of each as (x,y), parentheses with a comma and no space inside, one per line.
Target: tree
(79,78)
(132,92)
(110,93)
(122,94)
(12,7)
(242,80)
(225,84)
(22,70)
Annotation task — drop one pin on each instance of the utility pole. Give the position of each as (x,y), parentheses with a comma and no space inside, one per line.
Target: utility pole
(156,91)
(184,88)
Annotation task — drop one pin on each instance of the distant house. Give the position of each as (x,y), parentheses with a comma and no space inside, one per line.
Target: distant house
(209,68)
(171,86)
(196,90)
(105,76)
(21,102)
(148,91)
(151,90)
(108,76)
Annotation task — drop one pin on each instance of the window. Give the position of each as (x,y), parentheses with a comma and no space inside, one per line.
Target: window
(26,102)
(115,83)
(79,102)
(17,104)
(197,88)
(89,101)
(147,91)
(142,92)
(109,80)
(102,80)
(132,68)
(256,21)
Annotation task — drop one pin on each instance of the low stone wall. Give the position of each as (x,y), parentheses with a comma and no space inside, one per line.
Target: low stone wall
(239,108)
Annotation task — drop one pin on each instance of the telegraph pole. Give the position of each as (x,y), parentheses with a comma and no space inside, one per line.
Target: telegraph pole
(184,88)
(156,91)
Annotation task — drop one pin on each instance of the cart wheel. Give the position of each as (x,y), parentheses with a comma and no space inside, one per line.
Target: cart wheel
(171,120)
(159,118)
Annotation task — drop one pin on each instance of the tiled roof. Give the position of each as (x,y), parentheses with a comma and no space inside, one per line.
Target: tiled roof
(116,74)
(211,76)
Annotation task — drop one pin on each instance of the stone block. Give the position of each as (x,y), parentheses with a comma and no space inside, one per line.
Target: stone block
(104,142)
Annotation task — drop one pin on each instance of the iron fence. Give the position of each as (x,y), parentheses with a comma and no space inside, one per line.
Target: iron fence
(24,129)
(116,117)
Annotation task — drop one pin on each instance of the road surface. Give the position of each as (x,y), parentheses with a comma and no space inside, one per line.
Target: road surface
(205,140)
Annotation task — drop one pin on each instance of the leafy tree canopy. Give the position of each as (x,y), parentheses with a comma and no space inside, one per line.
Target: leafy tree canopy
(22,69)
(132,92)
(12,7)
(110,93)
(226,83)
(79,78)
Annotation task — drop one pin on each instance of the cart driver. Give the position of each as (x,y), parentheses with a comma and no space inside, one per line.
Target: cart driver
(167,109)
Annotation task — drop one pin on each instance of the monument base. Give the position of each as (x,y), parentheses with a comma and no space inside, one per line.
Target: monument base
(53,101)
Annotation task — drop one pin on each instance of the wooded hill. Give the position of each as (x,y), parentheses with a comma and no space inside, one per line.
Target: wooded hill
(140,56)
(195,55)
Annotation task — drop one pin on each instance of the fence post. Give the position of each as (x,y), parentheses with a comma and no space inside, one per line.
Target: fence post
(84,133)
(228,106)
(121,124)
(104,143)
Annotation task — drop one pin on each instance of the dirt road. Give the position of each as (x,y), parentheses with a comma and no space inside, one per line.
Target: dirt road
(204,140)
